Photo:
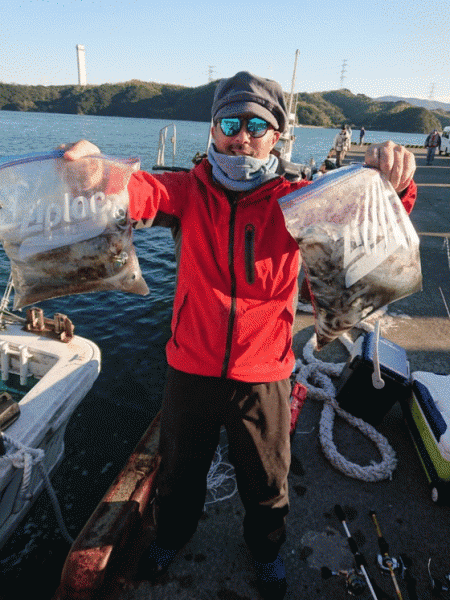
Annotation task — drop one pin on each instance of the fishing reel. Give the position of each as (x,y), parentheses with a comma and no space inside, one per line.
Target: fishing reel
(384,561)
(355,584)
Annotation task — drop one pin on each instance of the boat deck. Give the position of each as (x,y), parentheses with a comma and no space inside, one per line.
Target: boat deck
(215,564)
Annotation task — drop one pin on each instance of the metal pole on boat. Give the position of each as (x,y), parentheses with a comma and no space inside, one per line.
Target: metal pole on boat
(208,143)
(291,99)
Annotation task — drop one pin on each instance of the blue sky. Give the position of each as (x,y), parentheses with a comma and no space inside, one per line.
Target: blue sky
(391,47)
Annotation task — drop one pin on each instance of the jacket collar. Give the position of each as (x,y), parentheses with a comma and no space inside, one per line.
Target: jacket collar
(203,172)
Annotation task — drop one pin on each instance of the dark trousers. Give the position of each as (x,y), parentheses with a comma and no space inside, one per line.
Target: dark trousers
(256,418)
(430,154)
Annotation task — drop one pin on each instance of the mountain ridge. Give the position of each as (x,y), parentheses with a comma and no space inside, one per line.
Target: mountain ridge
(146,99)
(428,104)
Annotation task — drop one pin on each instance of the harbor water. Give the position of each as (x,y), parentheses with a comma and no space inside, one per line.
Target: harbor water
(131,332)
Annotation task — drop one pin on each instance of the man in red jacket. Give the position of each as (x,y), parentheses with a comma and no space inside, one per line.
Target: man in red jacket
(230,353)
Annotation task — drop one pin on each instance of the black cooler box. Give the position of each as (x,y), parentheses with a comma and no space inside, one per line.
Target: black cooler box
(355,392)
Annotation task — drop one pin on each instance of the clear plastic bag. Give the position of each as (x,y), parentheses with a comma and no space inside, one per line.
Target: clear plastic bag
(358,245)
(60,238)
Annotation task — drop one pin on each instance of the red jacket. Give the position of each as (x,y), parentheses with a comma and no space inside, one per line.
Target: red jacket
(236,293)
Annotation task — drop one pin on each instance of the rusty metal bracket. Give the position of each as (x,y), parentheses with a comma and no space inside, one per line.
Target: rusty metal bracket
(60,326)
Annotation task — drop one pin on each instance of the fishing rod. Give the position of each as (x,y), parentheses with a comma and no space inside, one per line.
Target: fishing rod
(359,558)
(410,580)
(387,560)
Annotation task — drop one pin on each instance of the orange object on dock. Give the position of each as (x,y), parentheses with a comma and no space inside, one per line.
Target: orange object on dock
(113,522)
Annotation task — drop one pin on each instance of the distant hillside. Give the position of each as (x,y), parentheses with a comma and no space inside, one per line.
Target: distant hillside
(131,99)
(334,108)
(160,101)
(428,104)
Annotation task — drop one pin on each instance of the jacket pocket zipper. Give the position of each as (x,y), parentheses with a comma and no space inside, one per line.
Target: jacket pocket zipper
(177,321)
(250,253)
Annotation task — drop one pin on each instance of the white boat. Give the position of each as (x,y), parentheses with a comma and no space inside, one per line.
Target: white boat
(45,372)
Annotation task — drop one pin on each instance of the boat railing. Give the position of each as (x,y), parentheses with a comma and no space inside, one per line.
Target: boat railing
(160,161)
(163,141)
(5,315)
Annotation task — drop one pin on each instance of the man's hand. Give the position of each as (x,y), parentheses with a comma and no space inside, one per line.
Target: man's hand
(79,149)
(395,162)
(82,173)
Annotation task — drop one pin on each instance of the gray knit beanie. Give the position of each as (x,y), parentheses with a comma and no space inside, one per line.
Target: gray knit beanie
(247,93)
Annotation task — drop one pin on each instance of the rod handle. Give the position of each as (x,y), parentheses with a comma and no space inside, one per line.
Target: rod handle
(339,512)
(384,547)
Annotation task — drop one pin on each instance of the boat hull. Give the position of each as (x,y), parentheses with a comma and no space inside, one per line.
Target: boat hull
(65,372)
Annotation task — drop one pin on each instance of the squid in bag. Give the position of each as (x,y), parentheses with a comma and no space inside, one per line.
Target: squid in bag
(60,238)
(358,245)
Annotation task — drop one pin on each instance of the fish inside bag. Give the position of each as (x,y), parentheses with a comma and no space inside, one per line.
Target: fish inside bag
(60,238)
(358,245)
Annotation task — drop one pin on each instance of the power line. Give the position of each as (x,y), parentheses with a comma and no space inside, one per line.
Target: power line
(211,73)
(431,96)
(343,71)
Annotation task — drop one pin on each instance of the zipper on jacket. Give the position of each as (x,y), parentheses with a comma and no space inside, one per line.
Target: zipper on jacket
(249,245)
(233,202)
(175,329)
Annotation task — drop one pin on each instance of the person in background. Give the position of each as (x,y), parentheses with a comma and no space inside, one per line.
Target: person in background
(432,142)
(341,145)
(230,354)
(362,134)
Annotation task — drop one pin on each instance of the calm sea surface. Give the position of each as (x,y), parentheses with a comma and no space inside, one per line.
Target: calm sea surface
(131,332)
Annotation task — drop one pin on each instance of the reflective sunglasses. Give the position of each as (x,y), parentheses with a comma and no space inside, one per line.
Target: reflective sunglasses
(256,127)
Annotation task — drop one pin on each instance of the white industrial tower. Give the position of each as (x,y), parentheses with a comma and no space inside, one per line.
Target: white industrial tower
(81,59)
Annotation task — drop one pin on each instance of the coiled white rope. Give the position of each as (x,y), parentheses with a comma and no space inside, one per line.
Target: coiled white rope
(24,457)
(316,375)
